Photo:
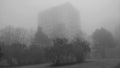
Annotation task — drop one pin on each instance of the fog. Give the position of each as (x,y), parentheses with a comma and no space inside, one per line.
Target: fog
(93,13)
(60,33)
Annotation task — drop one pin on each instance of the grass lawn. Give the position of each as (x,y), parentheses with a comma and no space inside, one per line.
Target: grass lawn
(106,63)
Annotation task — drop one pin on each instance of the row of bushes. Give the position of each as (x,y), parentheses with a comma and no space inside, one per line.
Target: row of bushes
(62,52)
(20,54)
(68,52)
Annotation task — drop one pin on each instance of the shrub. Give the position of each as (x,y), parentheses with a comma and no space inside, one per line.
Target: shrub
(64,52)
(1,54)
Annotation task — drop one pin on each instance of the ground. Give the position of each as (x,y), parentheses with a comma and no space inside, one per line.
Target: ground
(106,63)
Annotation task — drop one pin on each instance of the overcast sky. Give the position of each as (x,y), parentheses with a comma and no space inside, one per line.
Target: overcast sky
(93,13)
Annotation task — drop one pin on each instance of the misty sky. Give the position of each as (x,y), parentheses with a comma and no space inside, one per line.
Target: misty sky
(93,13)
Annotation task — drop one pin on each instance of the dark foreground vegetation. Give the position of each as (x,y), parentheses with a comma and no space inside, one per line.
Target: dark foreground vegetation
(105,63)
(59,52)
(62,52)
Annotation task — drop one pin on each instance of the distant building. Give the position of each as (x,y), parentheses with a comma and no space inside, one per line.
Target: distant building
(61,21)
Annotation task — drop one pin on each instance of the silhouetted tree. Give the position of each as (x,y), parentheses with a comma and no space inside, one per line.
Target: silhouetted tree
(1,54)
(81,49)
(67,52)
(103,40)
(16,52)
(10,35)
(117,37)
(36,54)
(41,39)
(13,53)
(117,33)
